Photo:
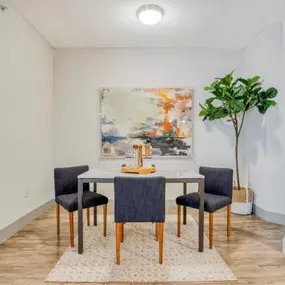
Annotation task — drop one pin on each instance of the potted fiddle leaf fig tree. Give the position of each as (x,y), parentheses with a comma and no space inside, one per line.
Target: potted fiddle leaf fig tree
(231,99)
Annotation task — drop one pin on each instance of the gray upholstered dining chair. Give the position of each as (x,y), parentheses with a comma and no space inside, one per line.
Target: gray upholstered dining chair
(138,200)
(65,180)
(218,194)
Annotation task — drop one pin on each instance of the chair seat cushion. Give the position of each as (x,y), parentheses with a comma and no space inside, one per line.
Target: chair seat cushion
(212,202)
(90,199)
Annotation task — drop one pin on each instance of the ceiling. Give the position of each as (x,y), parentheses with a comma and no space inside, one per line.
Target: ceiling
(227,24)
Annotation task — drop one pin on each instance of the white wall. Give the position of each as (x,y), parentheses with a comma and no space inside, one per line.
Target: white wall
(26,92)
(79,74)
(28,129)
(265,134)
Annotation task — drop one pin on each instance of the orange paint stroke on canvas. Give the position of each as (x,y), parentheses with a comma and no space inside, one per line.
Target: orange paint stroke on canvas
(167,103)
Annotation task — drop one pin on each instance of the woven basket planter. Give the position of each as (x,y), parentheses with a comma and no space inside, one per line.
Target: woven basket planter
(243,195)
(242,201)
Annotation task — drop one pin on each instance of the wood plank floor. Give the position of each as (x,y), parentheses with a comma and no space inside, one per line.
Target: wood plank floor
(253,252)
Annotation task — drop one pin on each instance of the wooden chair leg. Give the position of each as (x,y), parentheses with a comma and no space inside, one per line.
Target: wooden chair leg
(105,220)
(88,216)
(58,219)
(118,242)
(229,210)
(160,233)
(71,228)
(211,229)
(156,231)
(178,221)
(122,232)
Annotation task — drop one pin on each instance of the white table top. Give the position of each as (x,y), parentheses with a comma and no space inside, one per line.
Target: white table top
(97,173)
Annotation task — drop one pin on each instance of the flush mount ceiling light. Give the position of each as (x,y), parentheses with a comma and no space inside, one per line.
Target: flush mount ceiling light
(3,8)
(150,14)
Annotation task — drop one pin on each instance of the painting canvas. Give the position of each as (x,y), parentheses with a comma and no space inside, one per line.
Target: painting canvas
(162,117)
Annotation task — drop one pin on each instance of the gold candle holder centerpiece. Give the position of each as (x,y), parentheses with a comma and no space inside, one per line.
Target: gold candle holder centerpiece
(139,169)
(140,155)
(147,151)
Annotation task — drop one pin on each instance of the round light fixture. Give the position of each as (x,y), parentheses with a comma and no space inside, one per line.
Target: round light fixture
(3,8)
(150,14)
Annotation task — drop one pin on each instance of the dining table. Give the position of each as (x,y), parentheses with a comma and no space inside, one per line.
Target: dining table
(98,175)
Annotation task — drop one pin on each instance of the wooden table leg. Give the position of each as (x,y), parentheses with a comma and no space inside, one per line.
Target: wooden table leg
(105,220)
(95,208)
(184,207)
(58,219)
(201,215)
(80,216)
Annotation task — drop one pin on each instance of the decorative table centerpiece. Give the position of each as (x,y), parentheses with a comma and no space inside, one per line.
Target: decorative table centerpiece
(139,168)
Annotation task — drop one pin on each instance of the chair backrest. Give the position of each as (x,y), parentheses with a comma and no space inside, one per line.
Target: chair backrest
(218,181)
(139,199)
(65,179)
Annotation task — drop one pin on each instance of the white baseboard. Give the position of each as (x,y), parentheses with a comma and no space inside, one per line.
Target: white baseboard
(271,217)
(19,224)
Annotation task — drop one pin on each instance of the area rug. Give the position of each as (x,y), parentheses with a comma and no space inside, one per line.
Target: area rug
(139,257)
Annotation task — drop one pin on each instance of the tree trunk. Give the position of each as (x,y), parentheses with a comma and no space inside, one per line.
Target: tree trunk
(237,162)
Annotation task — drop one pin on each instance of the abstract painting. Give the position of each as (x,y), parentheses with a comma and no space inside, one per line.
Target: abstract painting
(161,117)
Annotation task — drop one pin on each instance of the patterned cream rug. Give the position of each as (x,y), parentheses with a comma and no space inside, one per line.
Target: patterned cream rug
(139,257)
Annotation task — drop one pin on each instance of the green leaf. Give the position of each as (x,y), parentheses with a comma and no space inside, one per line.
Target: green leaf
(214,84)
(218,113)
(256,90)
(264,105)
(235,83)
(271,102)
(254,79)
(257,84)
(227,79)
(236,106)
(271,92)
(261,109)
(210,100)
(239,91)
(208,88)
(218,93)
(227,95)
(244,81)
(203,113)
(221,114)
(202,107)
(262,95)
(251,103)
